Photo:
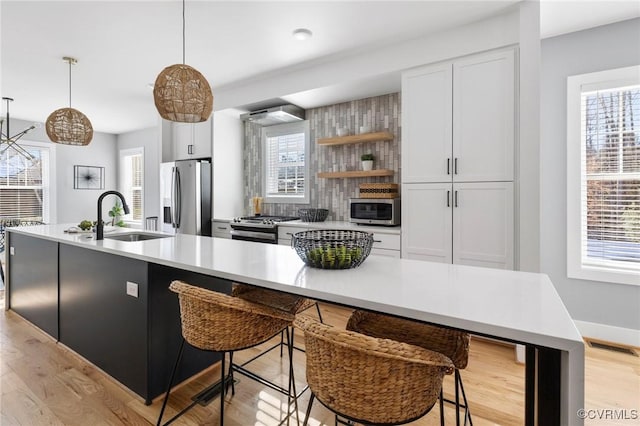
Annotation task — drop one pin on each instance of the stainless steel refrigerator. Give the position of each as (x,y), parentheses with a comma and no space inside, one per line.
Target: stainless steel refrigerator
(185,194)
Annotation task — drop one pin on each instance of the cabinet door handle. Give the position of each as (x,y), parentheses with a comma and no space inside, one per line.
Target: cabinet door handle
(222,227)
(190,149)
(448,166)
(377,241)
(448,198)
(456,199)
(455,166)
(290,233)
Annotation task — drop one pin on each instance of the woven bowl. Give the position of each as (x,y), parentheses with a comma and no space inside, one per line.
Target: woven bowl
(313,215)
(332,249)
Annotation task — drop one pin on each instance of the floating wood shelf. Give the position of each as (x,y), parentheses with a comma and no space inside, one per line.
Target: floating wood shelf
(365,137)
(356,174)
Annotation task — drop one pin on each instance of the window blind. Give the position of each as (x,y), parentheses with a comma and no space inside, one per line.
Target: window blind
(133,183)
(285,174)
(22,189)
(610,177)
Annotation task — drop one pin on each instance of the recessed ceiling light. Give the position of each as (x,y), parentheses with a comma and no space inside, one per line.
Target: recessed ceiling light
(302,34)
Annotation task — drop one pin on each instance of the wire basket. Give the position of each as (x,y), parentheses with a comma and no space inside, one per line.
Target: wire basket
(313,215)
(332,249)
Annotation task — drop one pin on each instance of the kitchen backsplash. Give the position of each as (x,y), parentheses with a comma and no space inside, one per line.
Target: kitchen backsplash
(382,113)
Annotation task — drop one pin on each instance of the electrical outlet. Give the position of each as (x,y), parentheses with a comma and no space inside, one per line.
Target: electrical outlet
(12,250)
(132,289)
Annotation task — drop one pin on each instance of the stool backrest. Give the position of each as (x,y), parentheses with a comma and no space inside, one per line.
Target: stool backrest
(218,322)
(371,380)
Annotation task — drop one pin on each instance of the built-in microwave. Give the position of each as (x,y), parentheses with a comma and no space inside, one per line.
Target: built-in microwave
(375,211)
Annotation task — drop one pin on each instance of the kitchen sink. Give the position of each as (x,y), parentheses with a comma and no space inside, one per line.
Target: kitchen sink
(135,236)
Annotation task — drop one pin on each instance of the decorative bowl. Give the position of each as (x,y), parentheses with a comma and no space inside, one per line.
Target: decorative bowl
(313,215)
(332,248)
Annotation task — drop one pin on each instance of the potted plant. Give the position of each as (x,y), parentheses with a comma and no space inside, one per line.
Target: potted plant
(116,213)
(367,161)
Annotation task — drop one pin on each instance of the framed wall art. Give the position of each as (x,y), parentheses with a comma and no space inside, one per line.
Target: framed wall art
(88,177)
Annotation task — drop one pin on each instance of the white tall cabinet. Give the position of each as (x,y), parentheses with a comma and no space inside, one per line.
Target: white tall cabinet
(458,125)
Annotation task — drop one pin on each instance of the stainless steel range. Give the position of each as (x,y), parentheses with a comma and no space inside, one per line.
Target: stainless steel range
(262,229)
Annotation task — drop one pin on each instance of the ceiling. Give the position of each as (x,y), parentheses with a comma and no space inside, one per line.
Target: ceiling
(121,46)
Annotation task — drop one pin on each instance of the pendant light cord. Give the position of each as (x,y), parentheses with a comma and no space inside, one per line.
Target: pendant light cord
(183,35)
(69,83)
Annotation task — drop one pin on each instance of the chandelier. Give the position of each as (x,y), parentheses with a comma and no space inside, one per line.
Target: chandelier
(181,93)
(12,141)
(69,126)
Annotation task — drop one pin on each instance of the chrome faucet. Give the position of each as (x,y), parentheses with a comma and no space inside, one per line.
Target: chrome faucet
(100,224)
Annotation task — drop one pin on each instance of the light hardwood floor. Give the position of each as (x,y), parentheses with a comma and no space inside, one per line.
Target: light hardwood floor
(43,383)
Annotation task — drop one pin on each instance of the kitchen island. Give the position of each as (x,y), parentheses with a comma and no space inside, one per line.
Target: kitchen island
(513,306)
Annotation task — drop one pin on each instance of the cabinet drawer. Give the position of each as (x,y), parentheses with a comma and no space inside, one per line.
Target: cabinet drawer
(385,252)
(386,241)
(221,229)
(286,232)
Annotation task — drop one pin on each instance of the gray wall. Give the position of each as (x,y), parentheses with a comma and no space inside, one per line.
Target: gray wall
(147,139)
(380,112)
(74,205)
(611,46)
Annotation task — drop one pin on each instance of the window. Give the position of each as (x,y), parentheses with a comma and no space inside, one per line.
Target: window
(132,182)
(286,167)
(25,189)
(603,132)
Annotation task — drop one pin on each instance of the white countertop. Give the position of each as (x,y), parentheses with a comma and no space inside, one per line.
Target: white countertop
(517,306)
(509,304)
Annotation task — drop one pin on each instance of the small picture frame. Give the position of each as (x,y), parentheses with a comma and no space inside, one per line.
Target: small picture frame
(88,177)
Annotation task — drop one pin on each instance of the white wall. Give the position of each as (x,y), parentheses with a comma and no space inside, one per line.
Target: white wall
(227,165)
(74,205)
(611,46)
(492,33)
(147,139)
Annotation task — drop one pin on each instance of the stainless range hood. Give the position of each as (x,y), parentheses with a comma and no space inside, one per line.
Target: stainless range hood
(274,115)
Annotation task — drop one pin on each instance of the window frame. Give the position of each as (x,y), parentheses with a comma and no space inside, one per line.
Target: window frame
(576,85)
(128,152)
(49,179)
(280,130)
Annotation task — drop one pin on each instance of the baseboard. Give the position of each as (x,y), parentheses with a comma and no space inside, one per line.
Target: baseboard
(609,333)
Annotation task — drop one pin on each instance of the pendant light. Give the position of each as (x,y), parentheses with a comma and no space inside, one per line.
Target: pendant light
(69,126)
(181,93)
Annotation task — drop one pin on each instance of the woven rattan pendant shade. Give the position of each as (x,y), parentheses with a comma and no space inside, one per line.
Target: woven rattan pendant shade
(182,94)
(69,126)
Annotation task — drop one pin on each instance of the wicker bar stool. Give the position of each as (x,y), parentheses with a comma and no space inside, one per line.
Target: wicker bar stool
(288,303)
(452,343)
(369,380)
(217,322)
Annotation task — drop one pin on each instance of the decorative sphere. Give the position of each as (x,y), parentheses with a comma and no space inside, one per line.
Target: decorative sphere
(69,126)
(182,94)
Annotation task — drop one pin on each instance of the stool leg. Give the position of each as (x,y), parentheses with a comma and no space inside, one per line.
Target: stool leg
(467,414)
(233,381)
(456,380)
(308,413)
(319,313)
(222,389)
(292,383)
(281,342)
(173,373)
(441,408)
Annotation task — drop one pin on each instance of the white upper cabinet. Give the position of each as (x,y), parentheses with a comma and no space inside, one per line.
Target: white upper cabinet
(426,124)
(483,118)
(192,140)
(458,120)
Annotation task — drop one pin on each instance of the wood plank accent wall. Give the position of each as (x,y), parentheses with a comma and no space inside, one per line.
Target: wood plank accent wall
(382,113)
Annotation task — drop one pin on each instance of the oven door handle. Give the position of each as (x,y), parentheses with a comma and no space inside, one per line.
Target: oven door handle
(253,234)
